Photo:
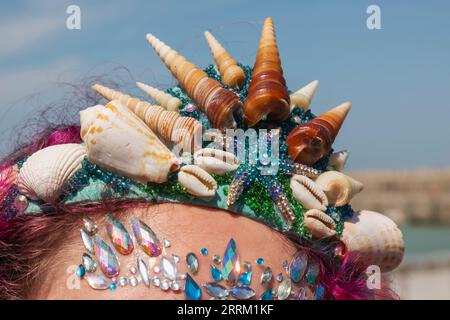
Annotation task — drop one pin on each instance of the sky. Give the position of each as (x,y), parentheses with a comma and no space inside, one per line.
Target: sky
(397,78)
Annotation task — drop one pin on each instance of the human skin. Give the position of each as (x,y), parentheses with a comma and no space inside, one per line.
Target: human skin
(189,228)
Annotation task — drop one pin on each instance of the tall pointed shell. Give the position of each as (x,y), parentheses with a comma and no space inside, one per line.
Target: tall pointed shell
(311,141)
(197,181)
(302,98)
(119,141)
(319,224)
(232,75)
(168,124)
(46,172)
(267,92)
(308,193)
(337,160)
(374,239)
(218,103)
(165,100)
(215,161)
(338,187)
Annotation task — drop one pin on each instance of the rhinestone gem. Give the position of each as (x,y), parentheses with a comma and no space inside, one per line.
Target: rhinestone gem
(133,281)
(319,293)
(89,264)
(81,271)
(119,236)
(192,291)
(215,273)
(97,281)
(267,276)
(245,277)
(284,289)
(247,266)
(133,270)
(313,272)
(146,238)
(169,269)
(112,287)
(165,285)
(260,261)
(175,286)
(242,292)
(204,251)
(285,264)
(267,295)
(189,108)
(175,258)
(297,267)
(143,271)
(181,276)
(89,226)
(106,257)
(216,259)
(192,262)
(156,269)
(156,281)
(166,243)
(230,263)
(123,281)
(216,290)
(87,241)
(280,277)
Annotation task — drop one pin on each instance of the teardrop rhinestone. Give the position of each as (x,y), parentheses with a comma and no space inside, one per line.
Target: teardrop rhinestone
(230,263)
(242,292)
(298,266)
(89,226)
(119,236)
(192,291)
(89,264)
(106,257)
(215,273)
(280,277)
(168,268)
(87,241)
(146,238)
(284,289)
(192,262)
(97,281)
(216,290)
(143,271)
(267,276)
(245,277)
(267,295)
(313,272)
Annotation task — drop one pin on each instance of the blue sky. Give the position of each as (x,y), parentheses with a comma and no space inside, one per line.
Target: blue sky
(397,78)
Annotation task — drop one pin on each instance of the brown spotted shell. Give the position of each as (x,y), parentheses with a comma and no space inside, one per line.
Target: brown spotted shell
(197,181)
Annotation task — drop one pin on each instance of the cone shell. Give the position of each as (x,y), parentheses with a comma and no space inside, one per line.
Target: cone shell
(218,103)
(215,161)
(197,181)
(232,75)
(337,160)
(302,98)
(311,141)
(119,141)
(163,99)
(375,239)
(45,174)
(308,193)
(267,92)
(338,187)
(319,224)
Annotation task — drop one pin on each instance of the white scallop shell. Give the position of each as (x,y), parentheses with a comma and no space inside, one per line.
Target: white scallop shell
(308,193)
(46,172)
(215,161)
(375,239)
(197,181)
(338,187)
(319,224)
(337,160)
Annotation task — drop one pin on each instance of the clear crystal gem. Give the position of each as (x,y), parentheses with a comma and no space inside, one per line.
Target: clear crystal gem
(175,286)
(245,277)
(89,264)
(87,241)
(285,264)
(156,269)
(133,281)
(181,276)
(175,258)
(230,263)
(89,226)
(242,292)
(192,291)
(123,281)
(146,238)
(297,268)
(106,257)
(168,268)
(156,281)
(284,289)
(119,236)
(215,273)
(143,271)
(216,290)
(166,243)
(267,275)
(280,277)
(133,270)
(165,285)
(97,281)
(192,262)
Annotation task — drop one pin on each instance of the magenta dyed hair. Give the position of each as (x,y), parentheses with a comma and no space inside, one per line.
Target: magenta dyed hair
(25,241)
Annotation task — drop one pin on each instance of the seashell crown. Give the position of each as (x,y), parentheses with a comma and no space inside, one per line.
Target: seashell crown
(287,177)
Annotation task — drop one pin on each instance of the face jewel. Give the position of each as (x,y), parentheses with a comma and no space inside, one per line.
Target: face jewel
(166,243)
(81,271)
(87,241)
(112,287)
(89,264)
(189,108)
(242,292)
(133,270)
(89,226)
(119,235)
(143,271)
(313,272)
(285,264)
(168,268)
(230,263)
(216,290)
(156,281)
(284,289)
(204,251)
(165,285)
(267,295)
(106,257)
(216,259)
(192,290)
(297,267)
(123,281)
(260,261)
(20,203)
(156,269)
(215,273)
(319,293)
(133,281)
(175,258)
(267,276)
(175,286)
(245,277)
(280,277)
(181,276)
(192,262)
(97,281)
(146,238)
(247,266)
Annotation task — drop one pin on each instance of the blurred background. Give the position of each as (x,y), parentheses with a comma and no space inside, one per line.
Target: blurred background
(397,78)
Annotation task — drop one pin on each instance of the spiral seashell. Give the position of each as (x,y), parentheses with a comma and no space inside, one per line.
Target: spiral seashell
(308,193)
(303,97)
(338,187)
(197,181)
(319,224)
(374,239)
(267,92)
(46,172)
(165,100)
(215,161)
(168,124)
(118,141)
(232,75)
(218,103)
(311,141)
(337,160)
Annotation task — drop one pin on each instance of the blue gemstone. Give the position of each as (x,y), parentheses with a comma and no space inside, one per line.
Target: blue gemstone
(112,286)
(191,289)
(81,271)
(267,295)
(319,292)
(245,277)
(215,273)
(298,267)
(204,251)
(260,261)
(242,292)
